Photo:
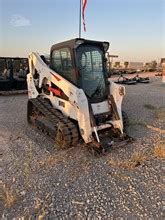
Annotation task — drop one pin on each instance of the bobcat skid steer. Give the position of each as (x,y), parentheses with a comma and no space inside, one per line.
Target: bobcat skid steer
(72,99)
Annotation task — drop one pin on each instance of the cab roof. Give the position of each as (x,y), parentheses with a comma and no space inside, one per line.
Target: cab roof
(74,43)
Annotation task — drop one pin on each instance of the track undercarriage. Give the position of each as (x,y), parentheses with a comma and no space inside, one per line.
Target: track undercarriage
(52,122)
(63,131)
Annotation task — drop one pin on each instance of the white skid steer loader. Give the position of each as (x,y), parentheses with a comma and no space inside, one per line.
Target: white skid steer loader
(72,98)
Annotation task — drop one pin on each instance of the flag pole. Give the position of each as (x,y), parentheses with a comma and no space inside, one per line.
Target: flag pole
(80,21)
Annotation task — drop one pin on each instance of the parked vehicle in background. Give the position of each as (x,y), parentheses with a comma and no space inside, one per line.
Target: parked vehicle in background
(13,72)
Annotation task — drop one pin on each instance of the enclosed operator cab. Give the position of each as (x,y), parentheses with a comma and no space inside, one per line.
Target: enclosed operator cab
(83,63)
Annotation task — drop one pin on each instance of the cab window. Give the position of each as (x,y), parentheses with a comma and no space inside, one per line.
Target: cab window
(62,64)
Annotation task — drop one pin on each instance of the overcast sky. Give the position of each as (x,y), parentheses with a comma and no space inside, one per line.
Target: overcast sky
(134,28)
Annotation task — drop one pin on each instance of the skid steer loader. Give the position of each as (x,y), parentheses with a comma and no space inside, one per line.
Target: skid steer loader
(72,99)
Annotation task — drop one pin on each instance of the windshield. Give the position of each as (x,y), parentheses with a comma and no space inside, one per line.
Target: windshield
(90,64)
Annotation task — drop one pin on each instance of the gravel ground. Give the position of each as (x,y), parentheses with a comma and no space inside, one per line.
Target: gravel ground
(41,182)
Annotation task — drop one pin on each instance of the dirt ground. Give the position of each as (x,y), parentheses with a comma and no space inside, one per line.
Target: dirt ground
(40,182)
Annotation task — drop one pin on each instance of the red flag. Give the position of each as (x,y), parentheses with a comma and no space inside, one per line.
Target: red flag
(84,2)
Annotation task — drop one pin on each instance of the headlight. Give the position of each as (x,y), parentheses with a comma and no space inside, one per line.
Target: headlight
(106,46)
(79,42)
(122,90)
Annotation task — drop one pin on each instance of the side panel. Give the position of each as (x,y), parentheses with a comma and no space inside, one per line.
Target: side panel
(118,92)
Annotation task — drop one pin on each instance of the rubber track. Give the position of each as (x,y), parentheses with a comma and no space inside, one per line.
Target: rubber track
(68,128)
